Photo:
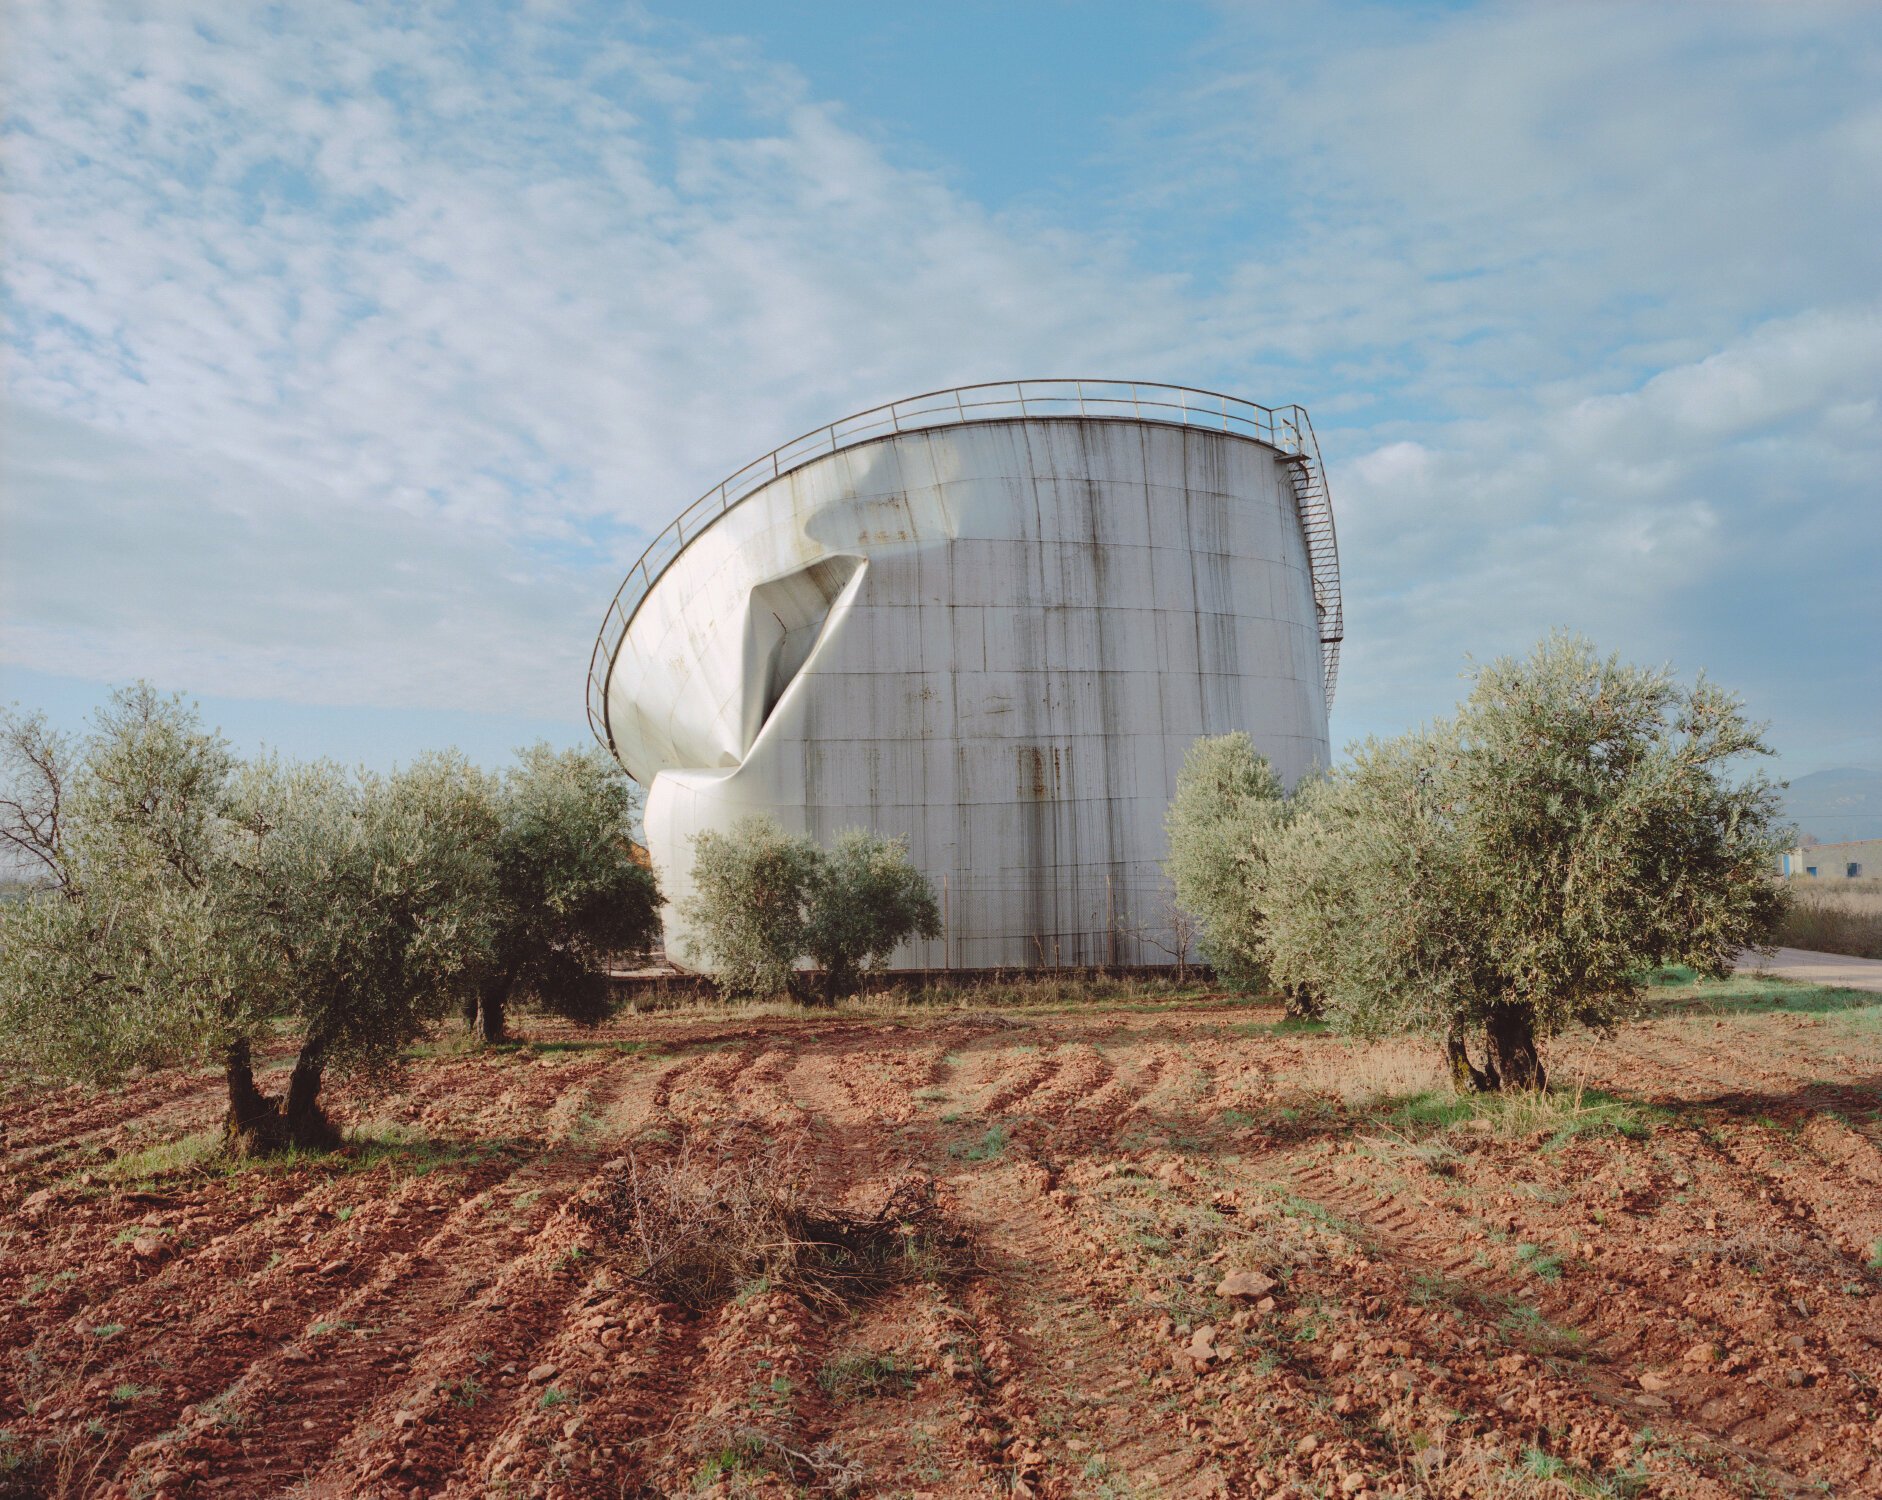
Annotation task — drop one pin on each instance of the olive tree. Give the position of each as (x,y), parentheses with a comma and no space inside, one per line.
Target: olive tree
(866,900)
(192,904)
(1228,805)
(763,899)
(123,957)
(1519,869)
(569,894)
(368,899)
(747,909)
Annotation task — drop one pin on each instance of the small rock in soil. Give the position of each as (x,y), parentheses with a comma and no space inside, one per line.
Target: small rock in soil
(1249,1284)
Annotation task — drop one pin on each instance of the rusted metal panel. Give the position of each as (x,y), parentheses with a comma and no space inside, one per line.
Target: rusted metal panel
(997,639)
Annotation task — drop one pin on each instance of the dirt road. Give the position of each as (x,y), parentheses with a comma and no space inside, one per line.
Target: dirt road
(1817,968)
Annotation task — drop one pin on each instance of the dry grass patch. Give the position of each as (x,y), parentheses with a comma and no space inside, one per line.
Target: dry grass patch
(697,1228)
(1360,1074)
(1835,916)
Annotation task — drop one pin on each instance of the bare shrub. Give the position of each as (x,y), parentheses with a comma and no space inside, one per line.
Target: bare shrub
(63,1466)
(743,1456)
(697,1229)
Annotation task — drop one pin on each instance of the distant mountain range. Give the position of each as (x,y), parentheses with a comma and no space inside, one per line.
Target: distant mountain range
(1845,803)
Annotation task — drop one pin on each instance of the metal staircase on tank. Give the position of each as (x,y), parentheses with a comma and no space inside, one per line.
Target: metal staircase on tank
(1323,559)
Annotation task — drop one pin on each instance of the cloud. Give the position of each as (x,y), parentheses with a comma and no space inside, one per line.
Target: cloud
(1463,199)
(124,562)
(357,361)
(1719,515)
(1589,319)
(366,254)
(354,353)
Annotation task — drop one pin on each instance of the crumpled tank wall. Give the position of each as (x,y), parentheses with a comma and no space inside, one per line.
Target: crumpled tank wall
(998,640)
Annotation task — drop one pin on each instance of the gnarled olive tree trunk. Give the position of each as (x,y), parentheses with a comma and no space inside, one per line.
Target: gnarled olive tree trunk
(257,1124)
(488,1010)
(306,1123)
(1510,1033)
(252,1114)
(1466,1076)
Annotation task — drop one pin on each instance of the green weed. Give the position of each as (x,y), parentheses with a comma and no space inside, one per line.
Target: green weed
(1559,1115)
(990,1147)
(854,1375)
(128,1391)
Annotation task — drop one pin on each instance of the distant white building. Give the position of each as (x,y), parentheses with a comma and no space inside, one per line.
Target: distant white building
(991,620)
(1847,861)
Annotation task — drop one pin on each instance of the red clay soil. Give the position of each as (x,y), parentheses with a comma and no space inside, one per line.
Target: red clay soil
(1667,1283)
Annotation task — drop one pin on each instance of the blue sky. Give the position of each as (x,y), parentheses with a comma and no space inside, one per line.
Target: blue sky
(353,352)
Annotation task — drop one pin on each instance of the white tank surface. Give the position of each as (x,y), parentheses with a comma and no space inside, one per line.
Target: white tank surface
(991,620)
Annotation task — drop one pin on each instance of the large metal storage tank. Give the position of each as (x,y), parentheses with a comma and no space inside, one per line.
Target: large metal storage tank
(992,620)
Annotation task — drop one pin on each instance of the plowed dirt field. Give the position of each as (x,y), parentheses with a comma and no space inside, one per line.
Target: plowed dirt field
(1666,1279)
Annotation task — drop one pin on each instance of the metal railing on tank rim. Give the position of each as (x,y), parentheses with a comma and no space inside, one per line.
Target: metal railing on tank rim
(1283,428)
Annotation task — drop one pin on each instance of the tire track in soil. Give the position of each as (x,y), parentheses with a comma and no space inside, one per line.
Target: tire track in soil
(714,1088)
(632,1441)
(1402,1251)
(1810,1199)
(750,1384)
(191,1105)
(79,1112)
(544,1345)
(1238,1080)
(65,1124)
(121,1288)
(1140,1081)
(860,1091)
(1683,1071)
(73,1260)
(288,1411)
(1663,1069)
(910,1428)
(234,1305)
(450,1095)
(1239,1417)
(1026,1341)
(584,1428)
(1812,1220)
(965,1387)
(1013,1078)
(187,1362)
(1082,1077)
(1170,1086)
(1406,1240)
(620,1359)
(1055,1354)
(749,1367)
